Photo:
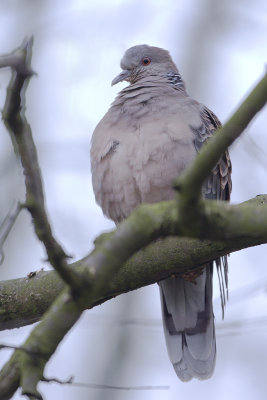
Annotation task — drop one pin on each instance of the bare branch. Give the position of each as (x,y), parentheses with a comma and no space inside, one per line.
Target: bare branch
(10,377)
(44,339)
(23,301)
(20,132)
(193,177)
(194,215)
(101,386)
(8,346)
(147,223)
(16,61)
(6,227)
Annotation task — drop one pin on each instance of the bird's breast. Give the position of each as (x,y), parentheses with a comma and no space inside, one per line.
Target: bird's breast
(137,152)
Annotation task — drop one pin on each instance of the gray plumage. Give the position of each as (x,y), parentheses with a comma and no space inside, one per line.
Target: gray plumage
(151,132)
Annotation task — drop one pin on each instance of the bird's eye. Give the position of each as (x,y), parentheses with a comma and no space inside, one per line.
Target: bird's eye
(146,61)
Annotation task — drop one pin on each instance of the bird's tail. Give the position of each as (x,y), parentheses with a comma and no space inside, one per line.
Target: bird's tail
(189,325)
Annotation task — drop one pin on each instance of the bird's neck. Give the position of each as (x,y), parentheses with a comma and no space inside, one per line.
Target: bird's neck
(166,80)
(175,79)
(150,91)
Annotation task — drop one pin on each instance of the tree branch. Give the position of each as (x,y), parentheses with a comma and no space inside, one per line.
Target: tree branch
(197,215)
(20,132)
(23,301)
(146,224)
(6,227)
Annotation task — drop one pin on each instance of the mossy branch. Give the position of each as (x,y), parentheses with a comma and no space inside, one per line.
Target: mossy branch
(23,301)
(146,224)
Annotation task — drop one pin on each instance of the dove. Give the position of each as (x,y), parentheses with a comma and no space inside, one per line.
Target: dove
(151,133)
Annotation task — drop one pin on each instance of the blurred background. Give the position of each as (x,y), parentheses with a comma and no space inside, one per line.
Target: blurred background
(220,49)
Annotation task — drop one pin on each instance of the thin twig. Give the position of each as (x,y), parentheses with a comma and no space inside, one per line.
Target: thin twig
(101,386)
(6,227)
(20,132)
(19,348)
(13,60)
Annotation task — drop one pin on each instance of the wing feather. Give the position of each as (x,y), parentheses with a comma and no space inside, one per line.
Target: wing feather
(217,186)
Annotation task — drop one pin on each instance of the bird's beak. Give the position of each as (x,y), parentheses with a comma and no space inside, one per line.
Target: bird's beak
(123,76)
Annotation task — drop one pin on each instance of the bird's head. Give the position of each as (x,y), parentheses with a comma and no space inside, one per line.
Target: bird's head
(143,61)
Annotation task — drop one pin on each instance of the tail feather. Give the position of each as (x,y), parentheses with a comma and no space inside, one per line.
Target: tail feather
(189,325)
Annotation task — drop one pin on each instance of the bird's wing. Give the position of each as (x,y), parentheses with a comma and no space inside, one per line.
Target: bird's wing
(217,186)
